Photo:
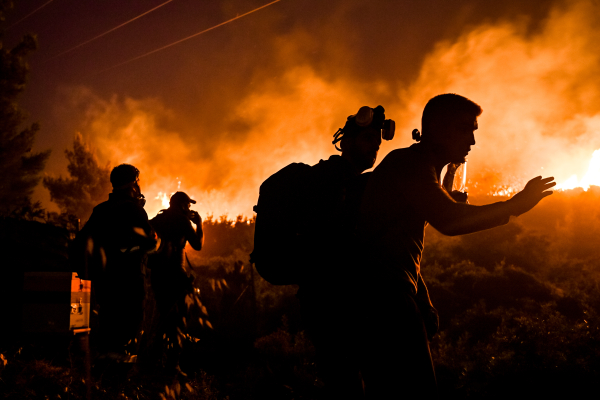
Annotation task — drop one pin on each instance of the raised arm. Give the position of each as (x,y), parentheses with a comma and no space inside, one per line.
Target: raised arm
(452,218)
(195,237)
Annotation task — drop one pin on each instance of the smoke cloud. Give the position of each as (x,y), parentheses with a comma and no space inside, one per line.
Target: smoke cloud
(277,129)
(539,89)
(540,94)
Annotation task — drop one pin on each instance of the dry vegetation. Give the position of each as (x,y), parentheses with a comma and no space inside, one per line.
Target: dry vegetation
(519,310)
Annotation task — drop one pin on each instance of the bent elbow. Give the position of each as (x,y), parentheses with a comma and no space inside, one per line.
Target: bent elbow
(448,229)
(197,243)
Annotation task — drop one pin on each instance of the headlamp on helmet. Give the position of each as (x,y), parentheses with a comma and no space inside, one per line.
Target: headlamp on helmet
(366,117)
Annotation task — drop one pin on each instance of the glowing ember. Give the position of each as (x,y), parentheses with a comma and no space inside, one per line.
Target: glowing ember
(164,198)
(592,176)
(503,191)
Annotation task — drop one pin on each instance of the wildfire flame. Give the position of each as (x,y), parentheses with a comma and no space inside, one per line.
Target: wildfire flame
(543,81)
(164,198)
(592,176)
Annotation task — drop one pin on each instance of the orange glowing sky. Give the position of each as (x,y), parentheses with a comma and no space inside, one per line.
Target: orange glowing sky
(218,114)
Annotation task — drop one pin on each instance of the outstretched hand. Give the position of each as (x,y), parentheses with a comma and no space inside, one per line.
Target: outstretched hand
(535,190)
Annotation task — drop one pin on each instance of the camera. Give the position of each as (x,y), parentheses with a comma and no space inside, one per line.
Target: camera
(191,214)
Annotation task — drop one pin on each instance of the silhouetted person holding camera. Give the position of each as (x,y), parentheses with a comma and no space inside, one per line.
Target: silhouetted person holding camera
(116,239)
(334,193)
(170,281)
(402,196)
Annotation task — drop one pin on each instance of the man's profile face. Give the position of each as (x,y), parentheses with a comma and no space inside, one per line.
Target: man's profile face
(136,187)
(459,137)
(365,147)
(183,207)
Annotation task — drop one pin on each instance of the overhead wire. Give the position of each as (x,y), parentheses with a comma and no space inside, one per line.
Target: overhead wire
(30,14)
(108,31)
(187,38)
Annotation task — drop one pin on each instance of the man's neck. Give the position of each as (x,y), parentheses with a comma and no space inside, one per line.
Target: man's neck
(357,169)
(435,155)
(122,194)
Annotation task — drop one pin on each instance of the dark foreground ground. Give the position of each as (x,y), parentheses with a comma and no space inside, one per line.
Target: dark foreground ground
(519,309)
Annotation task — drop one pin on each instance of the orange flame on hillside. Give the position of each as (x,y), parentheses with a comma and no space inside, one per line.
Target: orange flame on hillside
(165,196)
(538,89)
(592,176)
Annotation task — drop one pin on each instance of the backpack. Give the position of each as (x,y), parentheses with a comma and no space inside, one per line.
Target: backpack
(281,225)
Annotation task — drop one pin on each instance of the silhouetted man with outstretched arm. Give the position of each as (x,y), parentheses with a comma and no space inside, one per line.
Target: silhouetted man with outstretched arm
(402,196)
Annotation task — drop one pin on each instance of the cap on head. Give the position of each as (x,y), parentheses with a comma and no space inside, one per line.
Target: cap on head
(180,198)
(123,175)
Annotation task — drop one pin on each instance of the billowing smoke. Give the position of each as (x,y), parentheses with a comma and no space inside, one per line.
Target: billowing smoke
(539,88)
(540,93)
(277,128)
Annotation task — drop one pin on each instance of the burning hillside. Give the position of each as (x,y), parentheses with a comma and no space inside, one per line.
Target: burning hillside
(538,88)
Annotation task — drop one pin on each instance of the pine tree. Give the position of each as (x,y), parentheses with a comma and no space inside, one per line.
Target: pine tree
(20,168)
(87,185)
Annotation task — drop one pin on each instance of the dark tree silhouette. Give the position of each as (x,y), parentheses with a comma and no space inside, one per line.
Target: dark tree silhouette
(88,183)
(20,167)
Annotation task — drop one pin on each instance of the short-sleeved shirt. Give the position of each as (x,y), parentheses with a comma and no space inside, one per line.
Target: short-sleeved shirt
(403,195)
(174,230)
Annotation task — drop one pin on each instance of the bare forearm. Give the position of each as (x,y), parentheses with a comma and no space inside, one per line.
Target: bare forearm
(197,239)
(462,219)
(452,218)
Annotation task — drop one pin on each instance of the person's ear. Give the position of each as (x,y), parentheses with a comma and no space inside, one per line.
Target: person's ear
(436,132)
(432,128)
(347,143)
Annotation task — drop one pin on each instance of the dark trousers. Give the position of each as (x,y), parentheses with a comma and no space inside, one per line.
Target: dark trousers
(329,327)
(395,360)
(170,287)
(121,314)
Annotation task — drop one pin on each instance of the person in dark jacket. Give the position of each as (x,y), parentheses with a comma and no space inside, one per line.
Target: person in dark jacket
(334,192)
(171,280)
(116,239)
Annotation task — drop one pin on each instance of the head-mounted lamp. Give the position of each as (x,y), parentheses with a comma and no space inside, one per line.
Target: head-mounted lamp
(365,117)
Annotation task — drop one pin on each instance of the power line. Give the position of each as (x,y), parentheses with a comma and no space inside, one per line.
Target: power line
(31,13)
(189,37)
(108,31)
